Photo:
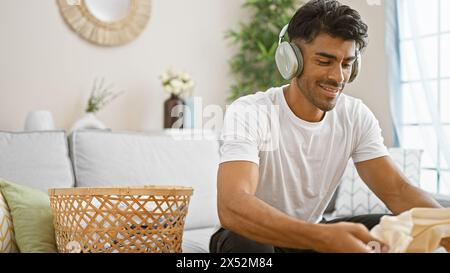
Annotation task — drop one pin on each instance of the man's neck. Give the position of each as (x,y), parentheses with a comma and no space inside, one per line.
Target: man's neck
(300,105)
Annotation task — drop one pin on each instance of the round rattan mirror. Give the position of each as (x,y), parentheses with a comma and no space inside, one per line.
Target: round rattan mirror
(106,22)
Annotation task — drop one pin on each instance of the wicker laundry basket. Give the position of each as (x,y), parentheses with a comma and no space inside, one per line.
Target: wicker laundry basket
(146,219)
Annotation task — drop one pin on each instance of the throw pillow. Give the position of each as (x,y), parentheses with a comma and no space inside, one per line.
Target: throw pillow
(7,241)
(355,198)
(31,216)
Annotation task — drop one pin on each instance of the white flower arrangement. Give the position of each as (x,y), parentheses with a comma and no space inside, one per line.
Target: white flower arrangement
(177,82)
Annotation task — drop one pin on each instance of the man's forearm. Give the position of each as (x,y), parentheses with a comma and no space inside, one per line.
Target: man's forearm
(412,197)
(254,219)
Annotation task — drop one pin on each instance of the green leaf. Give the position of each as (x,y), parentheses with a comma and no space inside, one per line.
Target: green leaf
(262,48)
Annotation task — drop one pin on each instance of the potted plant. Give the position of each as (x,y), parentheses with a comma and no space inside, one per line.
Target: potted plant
(256,40)
(101,95)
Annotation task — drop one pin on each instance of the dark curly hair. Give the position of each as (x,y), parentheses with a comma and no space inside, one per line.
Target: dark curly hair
(331,17)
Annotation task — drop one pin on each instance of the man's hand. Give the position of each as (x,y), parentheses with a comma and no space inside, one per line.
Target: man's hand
(346,238)
(446,243)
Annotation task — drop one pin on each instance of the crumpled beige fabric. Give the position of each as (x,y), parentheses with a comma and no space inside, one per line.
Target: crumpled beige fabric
(415,231)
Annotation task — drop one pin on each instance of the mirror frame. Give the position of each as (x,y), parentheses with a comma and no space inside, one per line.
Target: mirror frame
(120,32)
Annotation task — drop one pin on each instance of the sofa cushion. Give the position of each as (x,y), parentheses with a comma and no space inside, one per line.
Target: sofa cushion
(31,216)
(7,238)
(355,198)
(103,158)
(197,240)
(36,159)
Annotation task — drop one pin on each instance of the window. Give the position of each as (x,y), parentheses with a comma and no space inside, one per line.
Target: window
(424,95)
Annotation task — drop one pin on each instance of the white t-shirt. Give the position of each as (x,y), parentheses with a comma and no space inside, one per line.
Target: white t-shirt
(300,163)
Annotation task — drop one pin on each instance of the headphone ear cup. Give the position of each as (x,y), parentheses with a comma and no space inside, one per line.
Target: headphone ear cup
(355,68)
(287,61)
(299,57)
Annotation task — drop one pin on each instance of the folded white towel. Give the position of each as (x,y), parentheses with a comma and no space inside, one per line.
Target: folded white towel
(418,230)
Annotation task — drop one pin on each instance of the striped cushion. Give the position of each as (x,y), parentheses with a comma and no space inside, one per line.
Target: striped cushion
(7,241)
(355,198)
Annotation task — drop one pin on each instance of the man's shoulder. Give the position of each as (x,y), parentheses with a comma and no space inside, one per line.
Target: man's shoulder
(353,109)
(350,101)
(349,104)
(268,97)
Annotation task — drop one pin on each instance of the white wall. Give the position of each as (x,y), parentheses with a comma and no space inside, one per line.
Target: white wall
(44,65)
(372,84)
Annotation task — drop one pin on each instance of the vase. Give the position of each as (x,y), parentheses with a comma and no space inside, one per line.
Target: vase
(173,112)
(88,121)
(39,121)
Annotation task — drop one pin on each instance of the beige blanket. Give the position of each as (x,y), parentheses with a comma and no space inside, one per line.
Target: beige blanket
(416,231)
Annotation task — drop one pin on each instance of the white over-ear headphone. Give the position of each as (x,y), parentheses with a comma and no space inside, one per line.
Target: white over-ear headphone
(289,59)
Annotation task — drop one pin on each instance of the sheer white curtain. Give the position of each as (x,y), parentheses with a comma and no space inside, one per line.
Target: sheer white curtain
(418,42)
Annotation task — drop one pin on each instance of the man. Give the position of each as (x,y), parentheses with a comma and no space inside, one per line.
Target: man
(271,197)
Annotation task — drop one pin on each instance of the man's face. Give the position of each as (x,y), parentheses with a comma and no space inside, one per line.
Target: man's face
(327,68)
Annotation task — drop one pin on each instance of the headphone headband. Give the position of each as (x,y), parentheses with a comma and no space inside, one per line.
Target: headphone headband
(283,33)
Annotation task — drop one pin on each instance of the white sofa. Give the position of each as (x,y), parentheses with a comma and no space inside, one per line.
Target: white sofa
(92,158)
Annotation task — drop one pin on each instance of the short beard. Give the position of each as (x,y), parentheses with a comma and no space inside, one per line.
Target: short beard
(326,107)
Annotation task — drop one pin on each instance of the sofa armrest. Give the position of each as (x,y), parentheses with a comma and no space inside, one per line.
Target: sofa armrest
(444,200)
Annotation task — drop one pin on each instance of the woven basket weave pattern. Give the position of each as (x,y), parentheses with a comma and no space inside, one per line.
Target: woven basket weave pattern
(120,220)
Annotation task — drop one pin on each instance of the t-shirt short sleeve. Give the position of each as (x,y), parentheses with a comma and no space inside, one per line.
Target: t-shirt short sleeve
(369,142)
(239,139)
